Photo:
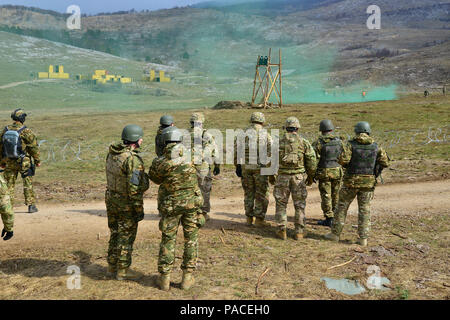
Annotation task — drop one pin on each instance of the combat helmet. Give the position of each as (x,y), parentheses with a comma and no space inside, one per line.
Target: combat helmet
(18,115)
(292,122)
(172,134)
(326,125)
(363,127)
(197,117)
(166,120)
(258,117)
(132,133)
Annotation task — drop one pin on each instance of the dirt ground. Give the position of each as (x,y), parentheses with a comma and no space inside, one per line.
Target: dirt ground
(409,242)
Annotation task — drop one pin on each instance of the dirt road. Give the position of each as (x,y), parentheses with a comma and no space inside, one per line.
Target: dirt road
(65,233)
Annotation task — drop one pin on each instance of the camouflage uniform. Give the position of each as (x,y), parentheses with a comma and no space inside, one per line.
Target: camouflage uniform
(329,171)
(255,185)
(126,184)
(297,157)
(6,209)
(22,165)
(203,168)
(159,144)
(179,203)
(359,181)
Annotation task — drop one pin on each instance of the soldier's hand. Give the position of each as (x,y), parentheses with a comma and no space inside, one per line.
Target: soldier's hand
(201,220)
(239,171)
(6,235)
(38,164)
(139,211)
(216,170)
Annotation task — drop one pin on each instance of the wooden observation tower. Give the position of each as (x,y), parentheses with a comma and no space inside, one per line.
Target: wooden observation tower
(269,84)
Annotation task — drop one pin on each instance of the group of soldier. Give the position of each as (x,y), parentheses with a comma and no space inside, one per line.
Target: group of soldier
(343,169)
(20,154)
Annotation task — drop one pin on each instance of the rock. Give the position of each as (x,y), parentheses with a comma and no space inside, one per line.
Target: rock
(230,105)
(381,251)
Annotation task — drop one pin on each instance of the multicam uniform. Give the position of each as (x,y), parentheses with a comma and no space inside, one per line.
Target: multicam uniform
(126,184)
(297,157)
(359,156)
(255,185)
(25,165)
(6,209)
(329,172)
(179,203)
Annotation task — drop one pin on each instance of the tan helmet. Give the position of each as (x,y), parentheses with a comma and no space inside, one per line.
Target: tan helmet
(258,117)
(292,122)
(18,115)
(197,117)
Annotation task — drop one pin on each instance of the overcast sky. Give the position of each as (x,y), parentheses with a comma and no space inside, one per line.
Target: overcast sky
(96,6)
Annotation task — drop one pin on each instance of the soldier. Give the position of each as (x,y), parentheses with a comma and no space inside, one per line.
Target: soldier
(297,157)
(329,172)
(165,121)
(361,156)
(126,184)
(255,185)
(180,202)
(20,153)
(6,210)
(203,145)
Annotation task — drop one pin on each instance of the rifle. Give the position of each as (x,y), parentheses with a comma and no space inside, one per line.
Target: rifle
(379,170)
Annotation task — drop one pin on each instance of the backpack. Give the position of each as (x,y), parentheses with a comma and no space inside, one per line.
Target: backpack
(291,151)
(12,144)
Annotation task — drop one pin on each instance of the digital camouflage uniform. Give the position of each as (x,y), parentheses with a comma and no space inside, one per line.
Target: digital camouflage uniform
(126,184)
(359,157)
(205,148)
(297,160)
(6,209)
(329,172)
(255,185)
(179,204)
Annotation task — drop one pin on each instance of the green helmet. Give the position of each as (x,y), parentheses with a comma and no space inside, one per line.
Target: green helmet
(292,122)
(198,117)
(18,115)
(363,127)
(166,120)
(326,125)
(132,133)
(257,117)
(172,134)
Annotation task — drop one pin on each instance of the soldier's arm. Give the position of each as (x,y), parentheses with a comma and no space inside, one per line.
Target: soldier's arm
(310,159)
(137,180)
(32,147)
(382,158)
(155,172)
(346,154)
(317,148)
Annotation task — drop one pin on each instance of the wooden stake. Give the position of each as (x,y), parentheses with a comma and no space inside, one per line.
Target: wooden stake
(260,278)
(342,264)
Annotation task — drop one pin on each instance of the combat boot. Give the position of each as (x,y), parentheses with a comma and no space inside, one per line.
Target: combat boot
(362,242)
(164,282)
(332,237)
(250,221)
(112,270)
(261,223)
(281,234)
(32,209)
(299,235)
(126,274)
(188,280)
(328,222)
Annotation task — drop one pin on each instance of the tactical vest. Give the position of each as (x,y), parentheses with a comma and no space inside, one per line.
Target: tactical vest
(291,149)
(12,144)
(330,153)
(364,158)
(115,177)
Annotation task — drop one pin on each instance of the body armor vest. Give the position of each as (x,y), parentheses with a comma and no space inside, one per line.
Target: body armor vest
(291,151)
(364,158)
(115,177)
(330,153)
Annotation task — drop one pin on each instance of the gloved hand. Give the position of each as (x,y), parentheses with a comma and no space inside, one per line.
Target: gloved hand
(272,180)
(7,235)
(216,170)
(239,171)
(309,181)
(201,220)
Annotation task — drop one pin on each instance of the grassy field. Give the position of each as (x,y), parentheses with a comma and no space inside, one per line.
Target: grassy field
(413,130)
